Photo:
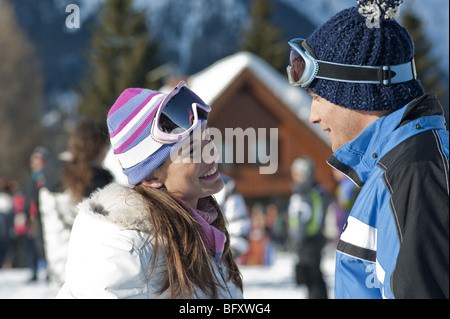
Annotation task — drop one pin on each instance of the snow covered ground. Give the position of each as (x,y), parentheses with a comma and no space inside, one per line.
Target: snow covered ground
(14,284)
(278,281)
(260,282)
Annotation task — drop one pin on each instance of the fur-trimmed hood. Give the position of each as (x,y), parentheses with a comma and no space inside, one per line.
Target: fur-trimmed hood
(120,205)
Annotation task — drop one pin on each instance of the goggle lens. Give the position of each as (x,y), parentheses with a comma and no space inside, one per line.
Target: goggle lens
(297,64)
(178,112)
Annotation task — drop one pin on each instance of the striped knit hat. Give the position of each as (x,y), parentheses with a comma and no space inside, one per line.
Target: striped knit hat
(129,124)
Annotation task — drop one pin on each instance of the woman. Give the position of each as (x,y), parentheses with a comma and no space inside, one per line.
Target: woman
(165,236)
(82,174)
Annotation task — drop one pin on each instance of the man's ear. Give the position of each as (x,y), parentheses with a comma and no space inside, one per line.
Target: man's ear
(152,181)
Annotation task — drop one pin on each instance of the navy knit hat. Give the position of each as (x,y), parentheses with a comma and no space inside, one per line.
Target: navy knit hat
(365,35)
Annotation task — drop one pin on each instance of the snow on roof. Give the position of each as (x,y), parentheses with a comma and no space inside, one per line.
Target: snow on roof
(213,81)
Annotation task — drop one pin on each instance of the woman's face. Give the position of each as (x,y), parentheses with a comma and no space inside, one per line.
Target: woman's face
(192,173)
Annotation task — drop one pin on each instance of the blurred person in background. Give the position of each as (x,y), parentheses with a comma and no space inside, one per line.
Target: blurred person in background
(236,214)
(6,219)
(258,238)
(31,210)
(272,229)
(87,146)
(307,208)
(82,174)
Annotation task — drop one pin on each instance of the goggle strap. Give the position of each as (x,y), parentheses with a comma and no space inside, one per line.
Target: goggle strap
(306,46)
(383,75)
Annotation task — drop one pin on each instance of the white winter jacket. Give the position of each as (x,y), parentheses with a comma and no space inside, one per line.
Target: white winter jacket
(111,250)
(58,213)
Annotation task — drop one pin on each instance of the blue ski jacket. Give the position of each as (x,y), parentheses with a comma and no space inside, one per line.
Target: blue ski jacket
(395,243)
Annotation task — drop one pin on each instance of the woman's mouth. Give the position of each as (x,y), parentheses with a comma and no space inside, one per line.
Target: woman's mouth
(212,173)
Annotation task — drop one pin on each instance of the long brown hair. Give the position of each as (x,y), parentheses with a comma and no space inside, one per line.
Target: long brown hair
(85,143)
(177,234)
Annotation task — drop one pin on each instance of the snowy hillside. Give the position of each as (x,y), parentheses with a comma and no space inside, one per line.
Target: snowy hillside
(192,15)
(192,34)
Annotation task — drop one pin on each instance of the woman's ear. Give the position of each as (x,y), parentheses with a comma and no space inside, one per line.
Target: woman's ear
(152,181)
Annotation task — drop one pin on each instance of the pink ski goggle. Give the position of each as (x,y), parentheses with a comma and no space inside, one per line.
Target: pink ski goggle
(178,115)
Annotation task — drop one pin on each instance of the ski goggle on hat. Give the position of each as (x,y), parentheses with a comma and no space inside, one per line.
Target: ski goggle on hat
(304,67)
(178,115)
(145,125)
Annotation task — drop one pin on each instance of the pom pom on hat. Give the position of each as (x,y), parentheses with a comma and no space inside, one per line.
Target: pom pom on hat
(355,36)
(379,9)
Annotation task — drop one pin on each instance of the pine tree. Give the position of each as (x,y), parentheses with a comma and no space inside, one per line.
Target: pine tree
(263,38)
(21,96)
(427,67)
(121,54)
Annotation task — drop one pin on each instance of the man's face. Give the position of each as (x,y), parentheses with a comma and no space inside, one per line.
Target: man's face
(342,124)
(37,162)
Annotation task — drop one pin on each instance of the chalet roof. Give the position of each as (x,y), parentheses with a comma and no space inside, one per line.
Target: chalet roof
(212,81)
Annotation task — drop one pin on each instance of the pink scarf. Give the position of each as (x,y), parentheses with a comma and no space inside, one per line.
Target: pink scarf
(205,215)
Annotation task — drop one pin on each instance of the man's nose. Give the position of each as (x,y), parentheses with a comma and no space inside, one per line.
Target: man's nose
(314,114)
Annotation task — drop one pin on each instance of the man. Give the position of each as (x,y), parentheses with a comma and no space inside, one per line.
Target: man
(390,139)
(37,179)
(307,207)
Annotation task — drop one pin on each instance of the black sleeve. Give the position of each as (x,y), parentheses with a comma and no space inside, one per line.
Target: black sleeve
(418,184)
